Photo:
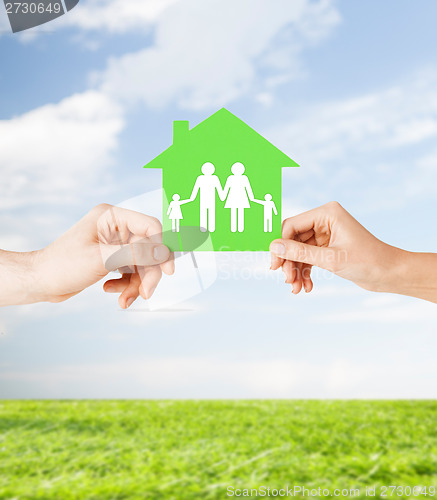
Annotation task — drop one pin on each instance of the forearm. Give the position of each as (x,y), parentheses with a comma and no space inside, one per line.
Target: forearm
(415,275)
(20,283)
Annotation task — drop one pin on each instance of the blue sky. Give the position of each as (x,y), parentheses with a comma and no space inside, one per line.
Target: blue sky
(347,89)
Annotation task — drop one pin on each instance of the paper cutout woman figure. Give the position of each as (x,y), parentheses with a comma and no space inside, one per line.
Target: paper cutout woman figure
(237,192)
(269,210)
(174,212)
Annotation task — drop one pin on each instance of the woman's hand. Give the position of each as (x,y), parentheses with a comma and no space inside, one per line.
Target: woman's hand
(330,238)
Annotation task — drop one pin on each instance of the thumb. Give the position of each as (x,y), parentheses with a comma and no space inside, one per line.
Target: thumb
(135,254)
(301,252)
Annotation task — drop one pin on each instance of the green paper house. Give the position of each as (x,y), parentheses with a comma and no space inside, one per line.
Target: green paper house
(221,186)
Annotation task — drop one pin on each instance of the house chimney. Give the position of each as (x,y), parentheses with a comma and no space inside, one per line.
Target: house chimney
(180,131)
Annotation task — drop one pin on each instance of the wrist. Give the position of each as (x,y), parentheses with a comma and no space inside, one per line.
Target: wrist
(413,274)
(420,279)
(394,270)
(46,276)
(21,278)
(39,275)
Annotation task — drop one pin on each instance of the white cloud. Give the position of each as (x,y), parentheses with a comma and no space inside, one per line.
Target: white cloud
(378,146)
(116,16)
(206,54)
(389,119)
(53,153)
(97,16)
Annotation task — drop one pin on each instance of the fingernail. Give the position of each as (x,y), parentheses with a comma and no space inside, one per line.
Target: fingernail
(129,302)
(277,248)
(160,253)
(110,289)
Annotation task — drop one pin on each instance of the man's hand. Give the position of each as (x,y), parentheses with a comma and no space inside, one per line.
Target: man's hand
(107,238)
(330,238)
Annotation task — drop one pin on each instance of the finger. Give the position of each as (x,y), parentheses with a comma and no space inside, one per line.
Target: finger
(294,271)
(306,268)
(306,237)
(302,252)
(289,270)
(276,262)
(131,292)
(116,285)
(306,278)
(303,223)
(168,267)
(149,277)
(137,223)
(119,226)
(303,271)
(297,283)
(121,232)
(135,254)
(288,232)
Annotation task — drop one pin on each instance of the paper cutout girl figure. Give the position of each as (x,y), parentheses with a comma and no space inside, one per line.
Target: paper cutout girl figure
(174,212)
(269,210)
(237,192)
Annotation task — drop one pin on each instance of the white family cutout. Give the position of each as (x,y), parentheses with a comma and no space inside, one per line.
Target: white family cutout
(237,193)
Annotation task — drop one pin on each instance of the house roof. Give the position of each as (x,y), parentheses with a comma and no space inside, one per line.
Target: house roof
(220,120)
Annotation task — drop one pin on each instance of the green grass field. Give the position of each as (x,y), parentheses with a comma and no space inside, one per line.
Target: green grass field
(196,449)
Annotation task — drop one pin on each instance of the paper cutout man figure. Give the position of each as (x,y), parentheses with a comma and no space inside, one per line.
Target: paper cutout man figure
(269,210)
(207,184)
(238,192)
(174,212)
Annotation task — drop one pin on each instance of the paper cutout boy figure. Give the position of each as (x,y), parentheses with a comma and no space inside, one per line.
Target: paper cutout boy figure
(174,212)
(269,210)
